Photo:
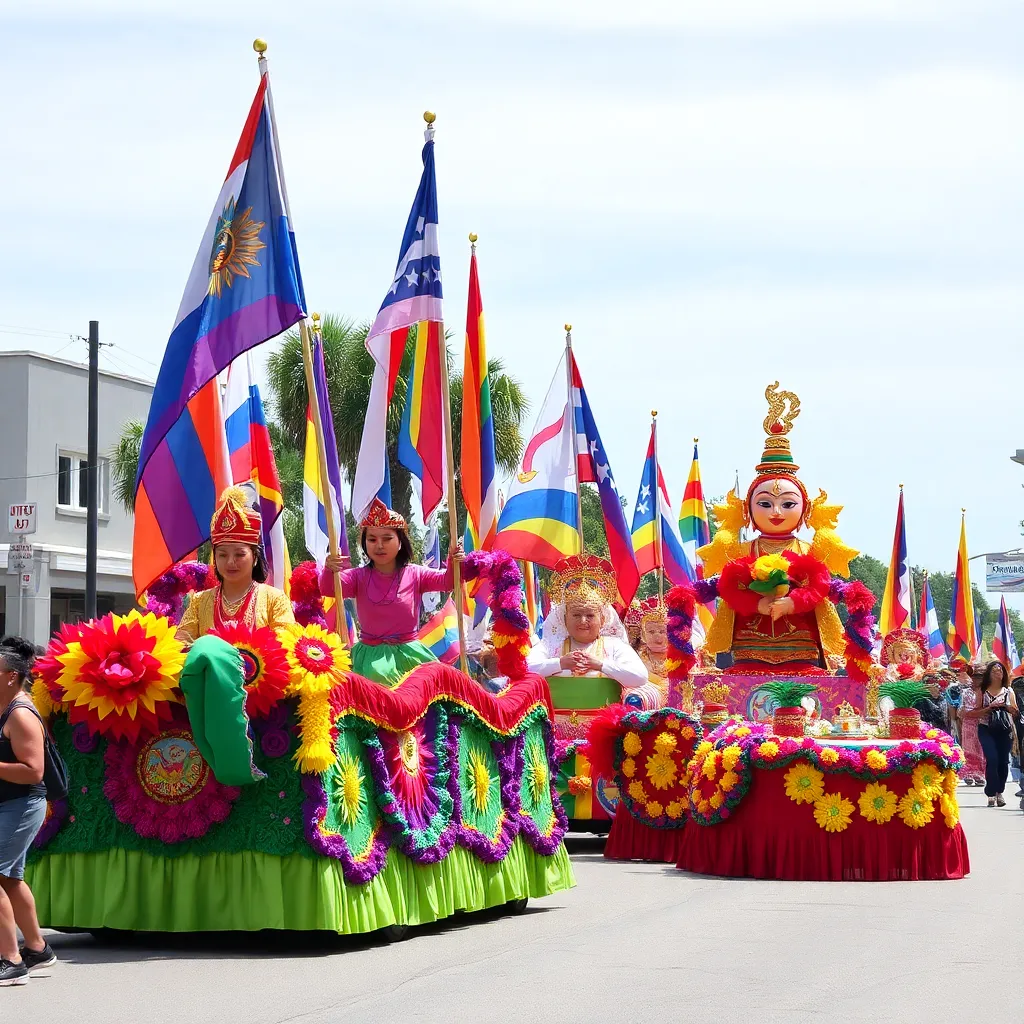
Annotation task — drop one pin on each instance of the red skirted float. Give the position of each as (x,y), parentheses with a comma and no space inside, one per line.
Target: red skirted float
(761,806)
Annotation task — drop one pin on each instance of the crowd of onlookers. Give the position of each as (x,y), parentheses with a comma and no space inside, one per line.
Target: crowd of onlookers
(980,706)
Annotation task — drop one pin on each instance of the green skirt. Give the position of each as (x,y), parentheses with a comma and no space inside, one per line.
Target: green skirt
(389,663)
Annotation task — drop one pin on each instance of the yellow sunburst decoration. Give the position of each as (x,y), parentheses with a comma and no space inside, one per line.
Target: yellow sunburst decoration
(479,781)
(235,245)
(317,659)
(351,796)
(536,773)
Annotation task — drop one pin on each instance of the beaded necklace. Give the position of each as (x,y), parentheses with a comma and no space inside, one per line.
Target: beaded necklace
(391,594)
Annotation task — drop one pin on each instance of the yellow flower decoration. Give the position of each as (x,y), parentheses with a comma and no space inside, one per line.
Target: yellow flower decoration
(674,809)
(665,743)
(688,732)
(536,772)
(728,781)
(479,781)
(317,659)
(804,783)
(931,734)
(316,751)
(631,744)
(949,783)
(768,749)
(828,755)
(654,809)
(916,809)
(636,791)
(876,760)
(710,765)
(832,812)
(717,799)
(927,779)
(672,723)
(661,770)
(946,749)
(42,699)
(349,786)
(950,810)
(703,747)
(877,803)
(730,756)
(766,564)
(629,767)
(743,730)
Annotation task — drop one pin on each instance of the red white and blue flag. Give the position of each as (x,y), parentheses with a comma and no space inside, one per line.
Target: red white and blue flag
(592,467)
(244,288)
(413,300)
(1004,645)
(654,551)
(896,600)
(252,459)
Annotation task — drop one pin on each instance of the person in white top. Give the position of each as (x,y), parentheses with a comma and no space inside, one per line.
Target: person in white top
(582,633)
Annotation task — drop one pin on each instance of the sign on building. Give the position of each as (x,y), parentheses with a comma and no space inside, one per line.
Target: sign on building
(19,557)
(21,519)
(1004,574)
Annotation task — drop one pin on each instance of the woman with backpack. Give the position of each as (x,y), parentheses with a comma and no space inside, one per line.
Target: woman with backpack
(996,712)
(22,810)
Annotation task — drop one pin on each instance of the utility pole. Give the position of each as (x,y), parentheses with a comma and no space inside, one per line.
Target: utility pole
(92,480)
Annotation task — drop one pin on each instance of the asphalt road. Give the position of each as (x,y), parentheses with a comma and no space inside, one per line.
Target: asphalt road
(631,943)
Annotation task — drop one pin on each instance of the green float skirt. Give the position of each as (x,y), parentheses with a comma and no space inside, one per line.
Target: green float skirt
(389,663)
(247,891)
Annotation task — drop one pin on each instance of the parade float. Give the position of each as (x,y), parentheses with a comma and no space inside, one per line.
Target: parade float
(296,795)
(793,795)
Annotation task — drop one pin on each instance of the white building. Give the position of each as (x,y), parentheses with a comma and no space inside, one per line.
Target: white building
(44,403)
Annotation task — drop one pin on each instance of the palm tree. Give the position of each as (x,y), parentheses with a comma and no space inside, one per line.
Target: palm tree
(124,463)
(349,374)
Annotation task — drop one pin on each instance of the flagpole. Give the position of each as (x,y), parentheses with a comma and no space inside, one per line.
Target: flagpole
(340,623)
(571,411)
(449,450)
(659,541)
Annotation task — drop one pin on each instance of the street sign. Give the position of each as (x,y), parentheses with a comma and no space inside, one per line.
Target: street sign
(1004,573)
(27,579)
(19,557)
(21,519)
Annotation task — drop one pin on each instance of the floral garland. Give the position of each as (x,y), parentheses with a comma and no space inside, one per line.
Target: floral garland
(510,628)
(166,595)
(720,772)
(860,625)
(120,676)
(307,601)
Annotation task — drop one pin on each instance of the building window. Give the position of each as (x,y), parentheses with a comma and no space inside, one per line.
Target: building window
(72,481)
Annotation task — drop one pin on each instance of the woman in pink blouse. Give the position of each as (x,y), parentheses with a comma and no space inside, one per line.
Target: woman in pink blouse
(387,593)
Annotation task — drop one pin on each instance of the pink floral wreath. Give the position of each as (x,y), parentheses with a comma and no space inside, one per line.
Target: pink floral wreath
(163,788)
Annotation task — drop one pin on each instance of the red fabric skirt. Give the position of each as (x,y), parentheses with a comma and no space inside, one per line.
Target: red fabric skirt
(630,839)
(770,836)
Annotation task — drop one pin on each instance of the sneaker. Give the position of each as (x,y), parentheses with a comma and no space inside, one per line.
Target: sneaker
(34,959)
(12,974)
(991,801)
(1020,792)
(968,781)
(1000,801)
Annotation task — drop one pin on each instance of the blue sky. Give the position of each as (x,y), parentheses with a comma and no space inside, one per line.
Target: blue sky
(715,196)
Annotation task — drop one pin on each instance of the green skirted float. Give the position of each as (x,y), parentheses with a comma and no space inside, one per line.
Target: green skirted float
(259,783)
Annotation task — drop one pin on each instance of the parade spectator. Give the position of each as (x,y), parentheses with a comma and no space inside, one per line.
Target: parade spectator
(933,707)
(968,724)
(22,810)
(995,712)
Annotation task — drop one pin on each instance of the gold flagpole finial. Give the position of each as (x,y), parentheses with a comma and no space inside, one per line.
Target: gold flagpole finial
(654,413)
(429,116)
(473,237)
(260,46)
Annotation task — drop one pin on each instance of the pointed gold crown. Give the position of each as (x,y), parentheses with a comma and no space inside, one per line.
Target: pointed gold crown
(783,409)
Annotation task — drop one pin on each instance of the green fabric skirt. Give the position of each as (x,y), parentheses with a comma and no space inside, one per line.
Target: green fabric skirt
(389,663)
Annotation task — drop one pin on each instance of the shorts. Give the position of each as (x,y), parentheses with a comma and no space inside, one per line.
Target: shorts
(20,820)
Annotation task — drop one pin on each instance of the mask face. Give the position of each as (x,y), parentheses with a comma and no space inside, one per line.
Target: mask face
(777,508)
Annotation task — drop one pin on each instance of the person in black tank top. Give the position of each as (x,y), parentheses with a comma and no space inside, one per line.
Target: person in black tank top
(22,810)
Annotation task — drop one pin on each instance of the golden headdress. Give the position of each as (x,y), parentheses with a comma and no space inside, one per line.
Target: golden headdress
(380,517)
(235,521)
(583,579)
(652,609)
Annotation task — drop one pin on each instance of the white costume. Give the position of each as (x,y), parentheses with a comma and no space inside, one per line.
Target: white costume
(618,660)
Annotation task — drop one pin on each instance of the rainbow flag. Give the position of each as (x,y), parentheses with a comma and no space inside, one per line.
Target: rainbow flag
(244,288)
(896,598)
(928,624)
(531,589)
(1004,645)
(479,483)
(694,528)
(962,635)
(538,522)
(413,300)
(441,634)
(653,501)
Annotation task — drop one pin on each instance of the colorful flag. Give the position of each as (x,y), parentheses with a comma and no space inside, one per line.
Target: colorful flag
(896,596)
(1004,645)
(432,560)
(928,624)
(244,288)
(694,528)
(532,593)
(538,523)
(653,500)
(593,467)
(441,634)
(479,483)
(962,635)
(314,509)
(412,300)
(252,458)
